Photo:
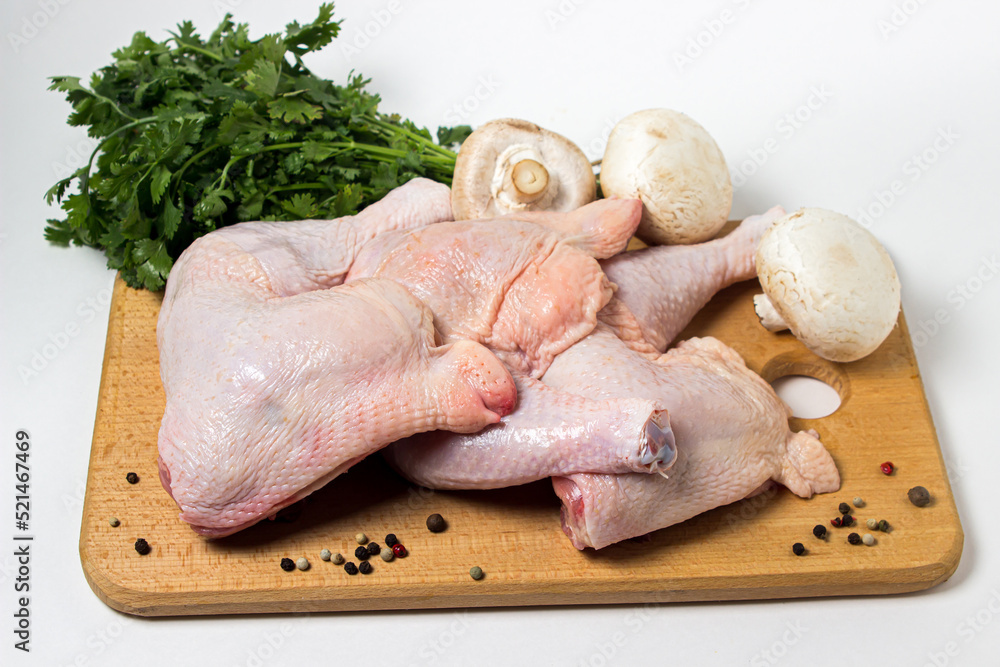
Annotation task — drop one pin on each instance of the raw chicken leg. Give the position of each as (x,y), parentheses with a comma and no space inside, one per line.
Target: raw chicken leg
(661,288)
(730,427)
(270,396)
(549,433)
(522,289)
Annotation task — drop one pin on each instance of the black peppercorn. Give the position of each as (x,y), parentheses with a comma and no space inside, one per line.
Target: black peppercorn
(848,520)
(854,538)
(819,530)
(436,523)
(919,496)
(390,539)
(844,508)
(361,553)
(287,564)
(132,478)
(798,549)
(350,568)
(374,549)
(142,547)
(365,567)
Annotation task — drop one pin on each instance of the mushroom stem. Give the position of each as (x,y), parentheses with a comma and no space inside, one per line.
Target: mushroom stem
(767,315)
(529,177)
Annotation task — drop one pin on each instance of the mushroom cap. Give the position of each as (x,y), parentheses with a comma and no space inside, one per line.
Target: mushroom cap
(673,165)
(831,281)
(484,181)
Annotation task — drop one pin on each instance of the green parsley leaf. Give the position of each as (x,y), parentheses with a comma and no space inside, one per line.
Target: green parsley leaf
(198,133)
(293,110)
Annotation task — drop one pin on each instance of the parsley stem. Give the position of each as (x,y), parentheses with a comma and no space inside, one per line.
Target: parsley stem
(377,152)
(109,101)
(297,186)
(176,178)
(398,129)
(205,52)
(85,180)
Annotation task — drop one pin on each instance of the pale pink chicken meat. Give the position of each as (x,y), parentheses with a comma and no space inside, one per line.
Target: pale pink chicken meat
(277,378)
(528,442)
(525,290)
(549,433)
(731,432)
(661,288)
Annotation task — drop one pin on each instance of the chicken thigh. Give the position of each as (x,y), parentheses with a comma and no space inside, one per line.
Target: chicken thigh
(731,432)
(525,290)
(277,379)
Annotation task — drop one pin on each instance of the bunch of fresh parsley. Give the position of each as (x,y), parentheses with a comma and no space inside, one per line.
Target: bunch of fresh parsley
(198,134)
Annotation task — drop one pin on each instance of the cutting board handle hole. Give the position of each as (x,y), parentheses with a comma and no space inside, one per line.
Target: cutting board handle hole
(808,397)
(811,386)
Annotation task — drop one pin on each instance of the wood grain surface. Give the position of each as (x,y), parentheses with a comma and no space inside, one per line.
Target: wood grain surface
(741,551)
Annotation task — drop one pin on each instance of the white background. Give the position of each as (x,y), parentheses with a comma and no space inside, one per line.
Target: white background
(885,80)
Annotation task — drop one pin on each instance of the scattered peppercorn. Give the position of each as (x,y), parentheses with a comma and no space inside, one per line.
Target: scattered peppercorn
(436,523)
(302,563)
(872,524)
(858,501)
(374,549)
(361,553)
(887,468)
(836,522)
(798,549)
(350,568)
(390,539)
(142,546)
(868,539)
(325,554)
(287,564)
(848,520)
(337,559)
(399,551)
(365,567)
(854,538)
(819,530)
(476,573)
(386,554)
(883,525)
(919,496)
(132,478)
(844,508)
(114,522)
(361,538)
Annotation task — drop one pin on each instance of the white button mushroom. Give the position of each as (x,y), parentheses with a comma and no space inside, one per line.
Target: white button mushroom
(511,165)
(830,281)
(673,165)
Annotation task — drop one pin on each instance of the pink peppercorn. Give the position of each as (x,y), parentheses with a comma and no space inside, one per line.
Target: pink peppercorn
(887,468)
(398,550)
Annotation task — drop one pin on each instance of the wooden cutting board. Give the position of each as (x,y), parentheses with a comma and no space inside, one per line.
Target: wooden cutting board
(742,551)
